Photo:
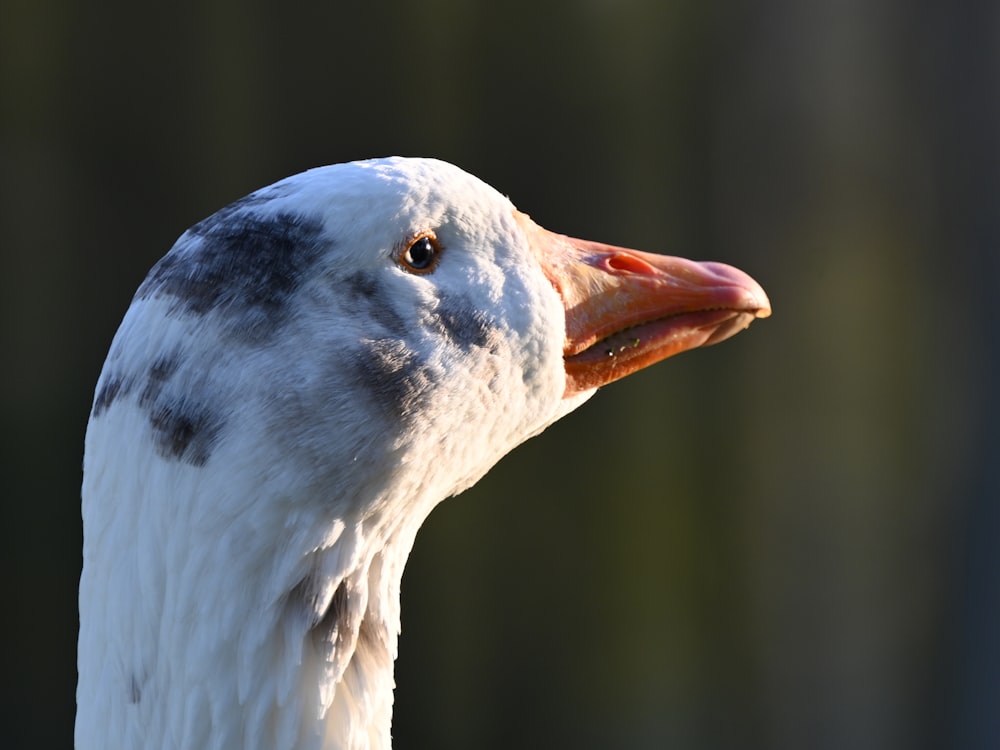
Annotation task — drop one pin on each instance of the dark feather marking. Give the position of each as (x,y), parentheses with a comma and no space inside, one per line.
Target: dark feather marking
(134,690)
(466,325)
(336,620)
(340,632)
(185,431)
(182,429)
(245,204)
(112,388)
(245,264)
(331,630)
(395,376)
(115,387)
(162,369)
(367,298)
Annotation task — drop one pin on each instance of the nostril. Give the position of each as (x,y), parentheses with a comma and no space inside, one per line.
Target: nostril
(628,263)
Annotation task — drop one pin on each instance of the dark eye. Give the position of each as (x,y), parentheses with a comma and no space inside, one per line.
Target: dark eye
(421,255)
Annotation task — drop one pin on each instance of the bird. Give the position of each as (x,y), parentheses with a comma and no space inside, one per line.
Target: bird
(294,387)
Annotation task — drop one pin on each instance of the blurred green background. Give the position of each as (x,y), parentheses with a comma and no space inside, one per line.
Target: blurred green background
(791,540)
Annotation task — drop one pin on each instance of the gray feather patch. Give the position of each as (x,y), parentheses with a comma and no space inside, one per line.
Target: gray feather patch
(242,263)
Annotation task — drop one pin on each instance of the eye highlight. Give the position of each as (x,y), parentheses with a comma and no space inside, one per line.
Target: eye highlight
(421,254)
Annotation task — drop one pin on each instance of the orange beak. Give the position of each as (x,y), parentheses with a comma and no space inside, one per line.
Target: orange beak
(627,309)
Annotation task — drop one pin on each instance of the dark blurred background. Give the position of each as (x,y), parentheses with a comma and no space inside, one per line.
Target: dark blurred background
(788,541)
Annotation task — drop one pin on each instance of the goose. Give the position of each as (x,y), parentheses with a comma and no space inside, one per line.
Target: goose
(296,384)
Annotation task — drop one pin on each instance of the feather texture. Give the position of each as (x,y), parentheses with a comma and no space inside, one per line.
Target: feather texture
(287,398)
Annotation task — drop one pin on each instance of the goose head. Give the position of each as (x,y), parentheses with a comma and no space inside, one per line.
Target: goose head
(294,387)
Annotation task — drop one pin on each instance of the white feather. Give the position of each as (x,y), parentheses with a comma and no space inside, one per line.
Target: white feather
(251,493)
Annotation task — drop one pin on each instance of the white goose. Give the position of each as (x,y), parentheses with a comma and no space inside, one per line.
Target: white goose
(295,386)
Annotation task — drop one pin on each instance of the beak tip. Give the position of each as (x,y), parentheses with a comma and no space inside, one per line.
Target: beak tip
(760,304)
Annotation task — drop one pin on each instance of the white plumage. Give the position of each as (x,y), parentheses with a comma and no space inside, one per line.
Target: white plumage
(295,386)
